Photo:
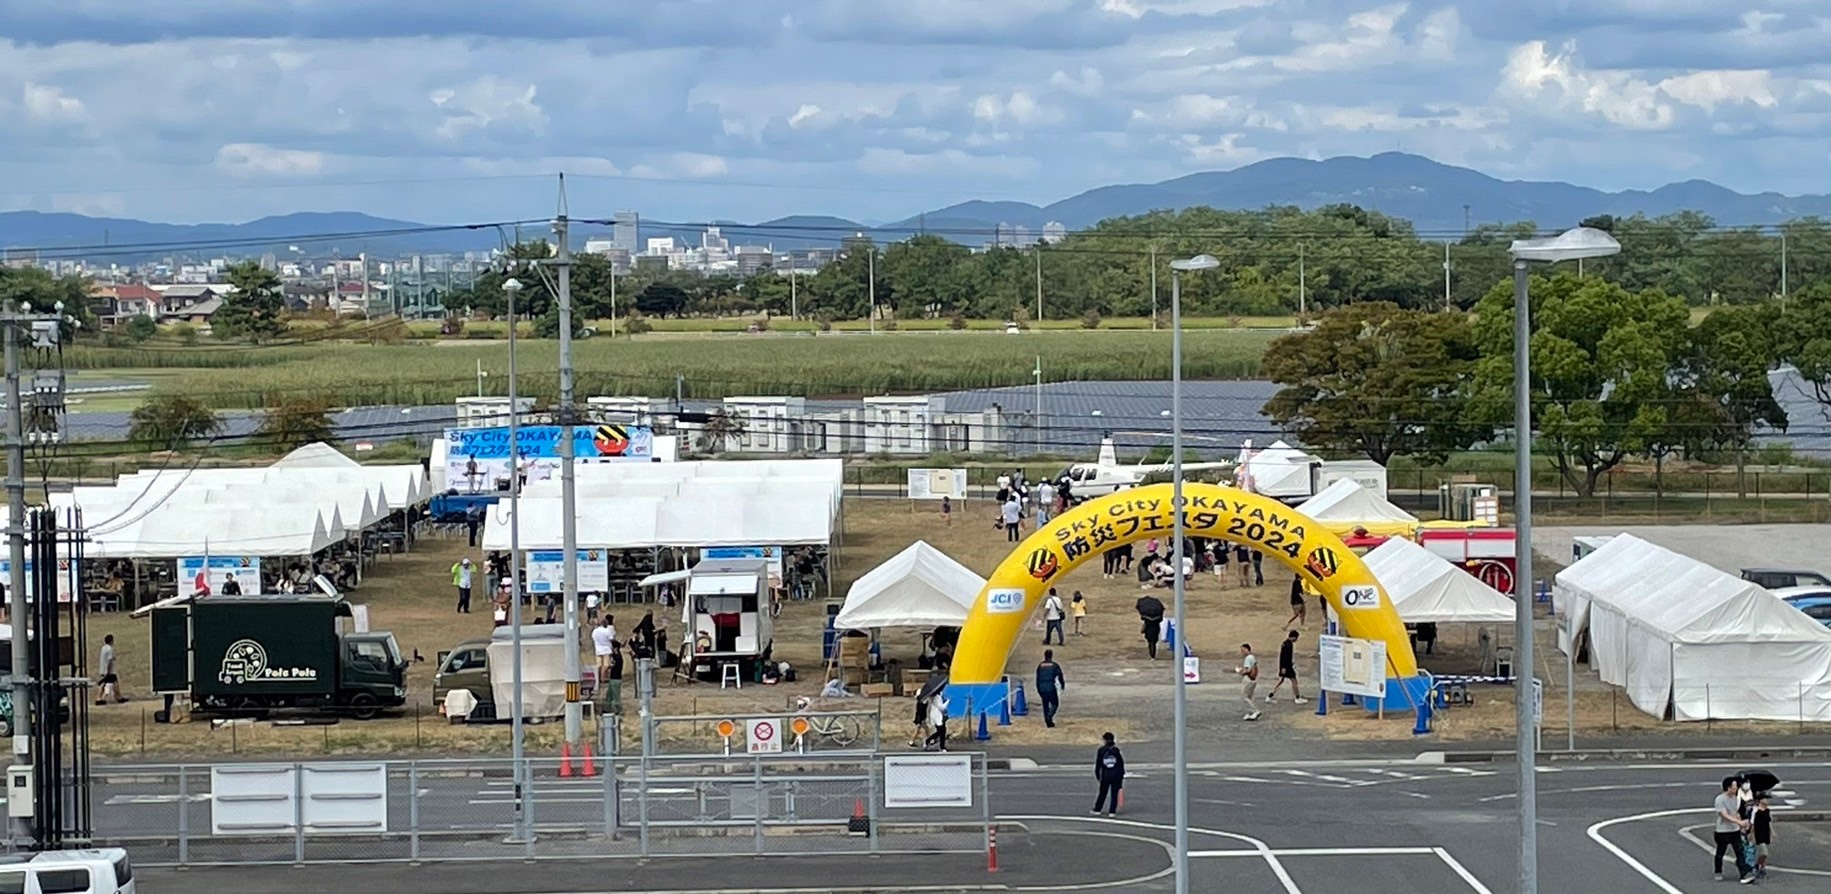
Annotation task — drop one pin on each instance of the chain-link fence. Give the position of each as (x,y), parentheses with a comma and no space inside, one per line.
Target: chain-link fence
(630,806)
(801,731)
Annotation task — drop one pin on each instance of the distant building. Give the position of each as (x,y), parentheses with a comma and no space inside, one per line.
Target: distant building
(753,258)
(626,231)
(662,246)
(1054,231)
(712,241)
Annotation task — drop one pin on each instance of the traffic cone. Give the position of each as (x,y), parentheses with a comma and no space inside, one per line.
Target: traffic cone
(1020,707)
(565,760)
(590,768)
(985,733)
(1004,712)
(859,824)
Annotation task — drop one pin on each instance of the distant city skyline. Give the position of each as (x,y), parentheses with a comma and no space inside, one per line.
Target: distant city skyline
(873,111)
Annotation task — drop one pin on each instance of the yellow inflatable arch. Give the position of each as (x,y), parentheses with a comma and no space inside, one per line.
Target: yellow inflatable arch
(1213,512)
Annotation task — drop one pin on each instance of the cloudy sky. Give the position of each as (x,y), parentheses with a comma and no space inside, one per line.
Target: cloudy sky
(450,110)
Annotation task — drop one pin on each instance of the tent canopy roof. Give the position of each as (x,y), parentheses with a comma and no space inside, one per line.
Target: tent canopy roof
(1684,600)
(1425,588)
(918,587)
(1347,503)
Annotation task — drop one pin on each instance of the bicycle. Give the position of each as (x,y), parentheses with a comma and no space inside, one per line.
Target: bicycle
(842,730)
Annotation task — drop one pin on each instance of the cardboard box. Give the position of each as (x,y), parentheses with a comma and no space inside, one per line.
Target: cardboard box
(877,690)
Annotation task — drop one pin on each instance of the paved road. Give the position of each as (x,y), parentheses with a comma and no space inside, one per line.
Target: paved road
(1378,827)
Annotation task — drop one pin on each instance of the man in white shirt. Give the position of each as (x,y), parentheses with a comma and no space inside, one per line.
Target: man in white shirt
(604,644)
(1729,829)
(1249,679)
(111,682)
(1045,502)
(1052,618)
(1012,516)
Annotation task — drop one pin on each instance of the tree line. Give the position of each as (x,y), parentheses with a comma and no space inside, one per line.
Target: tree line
(1277,261)
(1617,373)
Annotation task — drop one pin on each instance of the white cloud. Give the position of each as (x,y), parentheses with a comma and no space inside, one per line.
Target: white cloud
(1533,74)
(488,101)
(1710,89)
(257,160)
(50,104)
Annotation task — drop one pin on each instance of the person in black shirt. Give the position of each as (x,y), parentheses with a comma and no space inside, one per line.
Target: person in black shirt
(1109,768)
(1762,831)
(1049,684)
(1287,670)
(1299,608)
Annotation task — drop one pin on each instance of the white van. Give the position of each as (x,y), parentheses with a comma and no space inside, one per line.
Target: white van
(104,871)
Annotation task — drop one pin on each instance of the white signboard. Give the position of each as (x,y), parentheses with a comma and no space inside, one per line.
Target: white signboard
(66,578)
(338,798)
(772,553)
(1192,669)
(546,571)
(928,780)
(192,573)
(1538,702)
(933,484)
(1353,666)
(763,736)
(1004,601)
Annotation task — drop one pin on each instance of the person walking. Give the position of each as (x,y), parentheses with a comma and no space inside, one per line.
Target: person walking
(1300,607)
(1045,502)
(473,521)
(1077,606)
(1049,684)
(919,732)
(1287,670)
(947,511)
(1242,559)
(1729,829)
(461,578)
(1762,831)
(604,645)
(937,719)
(110,680)
(1150,611)
(1109,768)
(1012,519)
(1053,613)
(1249,680)
(1258,568)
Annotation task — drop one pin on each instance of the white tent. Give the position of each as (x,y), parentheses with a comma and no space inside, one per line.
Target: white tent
(1346,505)
(1685,638)
(316,456)
(918,587)
(738,518)
(1425,588)
(1276,471)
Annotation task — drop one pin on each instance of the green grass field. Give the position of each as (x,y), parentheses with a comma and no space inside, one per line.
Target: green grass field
(714,365)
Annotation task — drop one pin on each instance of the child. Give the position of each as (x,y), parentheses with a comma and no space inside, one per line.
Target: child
(947,511)
(1079,608)
(1762,831)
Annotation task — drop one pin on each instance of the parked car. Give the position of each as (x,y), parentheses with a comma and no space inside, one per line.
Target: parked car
(1814,601)
(97,871)
(1782,578)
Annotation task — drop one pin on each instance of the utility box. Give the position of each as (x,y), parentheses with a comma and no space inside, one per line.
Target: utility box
(21,791)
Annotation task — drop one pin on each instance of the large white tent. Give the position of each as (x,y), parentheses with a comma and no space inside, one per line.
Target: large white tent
(1687,639)
(1276,471)
(741,517)
(1425,588)
(918,587)
(1346,505)
(226,530)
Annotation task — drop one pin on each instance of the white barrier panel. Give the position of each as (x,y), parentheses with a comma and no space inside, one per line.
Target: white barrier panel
(928,780)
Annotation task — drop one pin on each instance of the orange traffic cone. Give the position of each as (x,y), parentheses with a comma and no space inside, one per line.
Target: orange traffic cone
(590,768)
(859,824)
(565,760)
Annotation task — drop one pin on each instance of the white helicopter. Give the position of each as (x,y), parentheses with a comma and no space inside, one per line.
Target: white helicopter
(1105,475)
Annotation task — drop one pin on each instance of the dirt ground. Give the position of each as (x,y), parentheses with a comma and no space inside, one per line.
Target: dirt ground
(1111,683)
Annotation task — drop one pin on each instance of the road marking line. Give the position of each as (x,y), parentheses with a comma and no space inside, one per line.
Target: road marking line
(1462,871)
(1595,834)
(1321,852)
(1260,847)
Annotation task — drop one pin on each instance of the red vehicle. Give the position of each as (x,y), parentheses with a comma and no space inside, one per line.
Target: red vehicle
(1486,553)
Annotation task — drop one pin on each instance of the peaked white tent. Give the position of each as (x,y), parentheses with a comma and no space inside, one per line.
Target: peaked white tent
(1346,505)
(1688,640)
(918,587)
(316,456)
(1276,471)
(1425,588)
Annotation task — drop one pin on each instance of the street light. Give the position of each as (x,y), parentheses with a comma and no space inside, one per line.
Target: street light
(1181,762)
(1570,245)
(511,287)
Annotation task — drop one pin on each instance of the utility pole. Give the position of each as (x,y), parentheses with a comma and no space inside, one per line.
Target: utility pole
(1039,282)
(1446,274)
(1039,404)
(568,485)
(520,831)
(871,267)
(1783,282)
(480,375)
(1153,287)
(17,611)
(1303,295)
(794,299)
(613,299)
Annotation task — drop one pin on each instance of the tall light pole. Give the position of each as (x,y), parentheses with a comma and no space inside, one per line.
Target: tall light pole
(1199,262)
(568,479)
(1571,245)
(510,287)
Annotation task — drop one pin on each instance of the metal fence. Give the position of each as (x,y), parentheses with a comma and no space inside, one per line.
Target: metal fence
(631,806)
(801,732)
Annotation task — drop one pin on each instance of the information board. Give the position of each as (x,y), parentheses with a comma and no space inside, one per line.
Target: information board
(928,780)
(933,484)
(546,571)
(477,460)
(763,736)
(245,569)
(1353,666)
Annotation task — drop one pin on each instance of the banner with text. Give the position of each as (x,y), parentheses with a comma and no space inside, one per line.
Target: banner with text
(478,460)
(66,578)
(1354,666)
(246,570)
(546,571)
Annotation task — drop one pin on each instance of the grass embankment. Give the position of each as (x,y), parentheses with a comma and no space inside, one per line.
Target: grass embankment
(712,366)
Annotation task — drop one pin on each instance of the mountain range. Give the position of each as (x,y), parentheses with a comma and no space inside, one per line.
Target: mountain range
(1439,200)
